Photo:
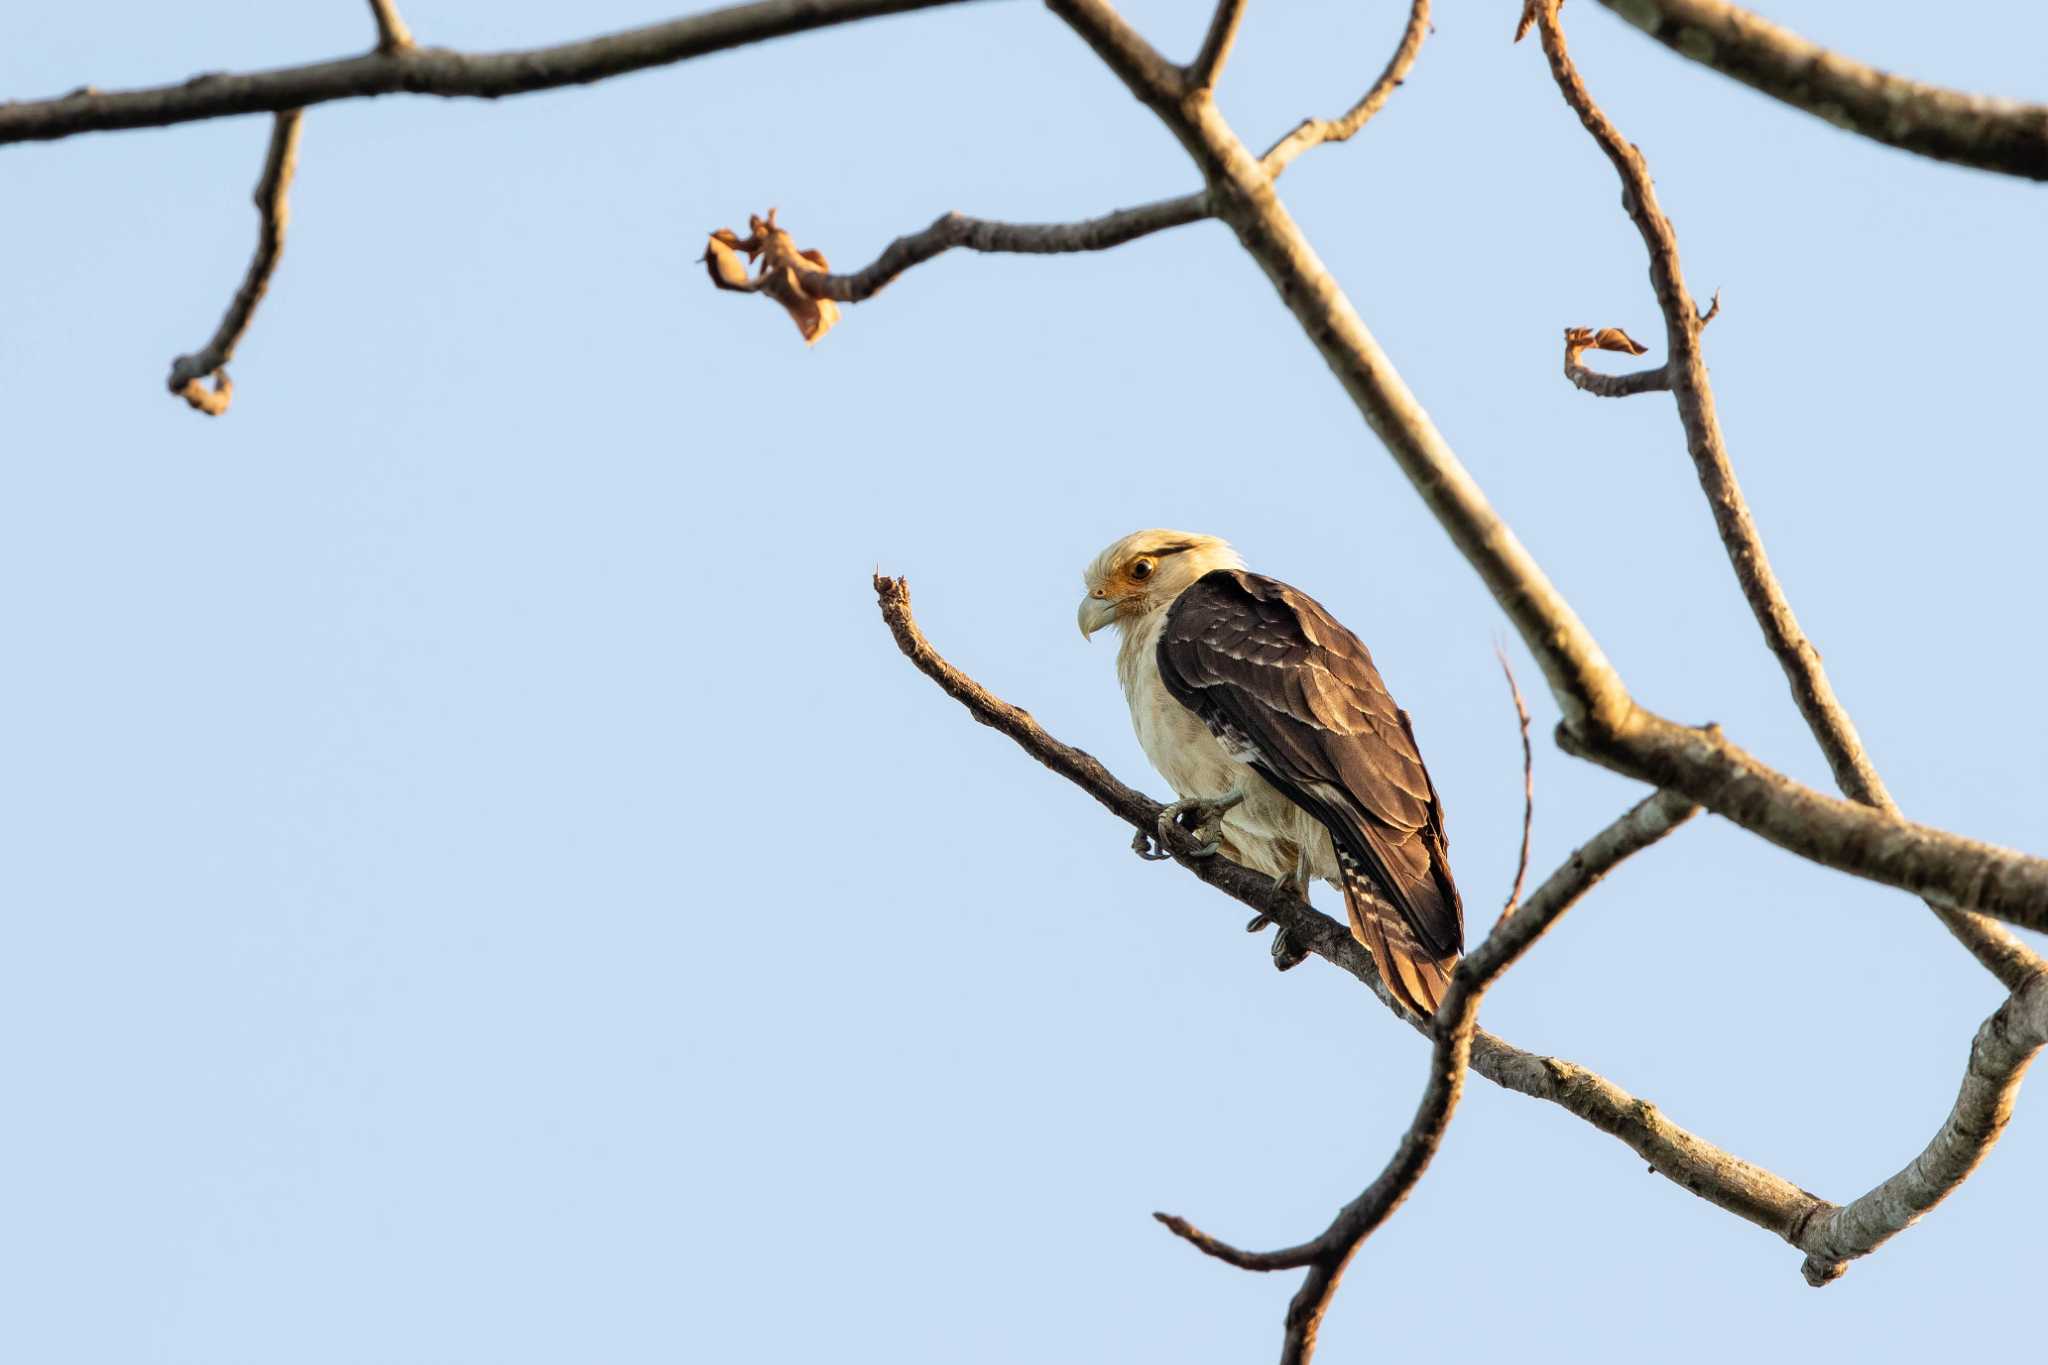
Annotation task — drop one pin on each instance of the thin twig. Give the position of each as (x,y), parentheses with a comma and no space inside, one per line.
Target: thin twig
(1748,1191)
(392,34)
(1216,44)
(1528,781)
(979,234)
(1578,340)
(1686,373)
(272,190)
(434,71)
(1950,125)
(1316,131)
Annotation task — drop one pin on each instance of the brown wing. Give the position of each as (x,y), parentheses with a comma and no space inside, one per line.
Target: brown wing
(1269,670)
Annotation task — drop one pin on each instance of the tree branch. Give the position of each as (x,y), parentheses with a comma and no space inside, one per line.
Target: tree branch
(1201,73)
(1316,131)
(1453,1029)
(1999,1056)
(272,187)
(1578,340)
(1949,125)
(392,34)
(952,230)
(1829,1234)
(434,71)
(1748,1191)
(1685,373)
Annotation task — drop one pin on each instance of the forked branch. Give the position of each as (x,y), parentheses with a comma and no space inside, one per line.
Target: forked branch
(392,34)
(1216,44)
(1685,373)
(1999,1056)
(1314,132)
(1454,1030)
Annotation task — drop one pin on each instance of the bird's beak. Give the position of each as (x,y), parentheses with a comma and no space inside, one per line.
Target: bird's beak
(1095,613)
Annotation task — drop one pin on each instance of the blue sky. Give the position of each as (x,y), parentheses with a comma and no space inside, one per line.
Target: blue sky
(482,886)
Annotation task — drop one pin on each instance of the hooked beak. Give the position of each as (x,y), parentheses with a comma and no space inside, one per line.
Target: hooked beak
(1095,613)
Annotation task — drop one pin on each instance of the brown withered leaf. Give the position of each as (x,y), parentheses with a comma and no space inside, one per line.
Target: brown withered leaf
(1577,339)
(781,276)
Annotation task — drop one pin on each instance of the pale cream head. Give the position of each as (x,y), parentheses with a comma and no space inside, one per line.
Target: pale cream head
(1145,571)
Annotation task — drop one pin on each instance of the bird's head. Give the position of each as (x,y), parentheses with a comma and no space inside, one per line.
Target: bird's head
(1145,571)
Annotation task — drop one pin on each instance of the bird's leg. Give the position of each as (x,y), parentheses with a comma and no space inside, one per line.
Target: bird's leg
(1208,812)
(1285,952)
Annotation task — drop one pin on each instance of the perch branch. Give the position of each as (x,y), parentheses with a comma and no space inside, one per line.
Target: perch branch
(1316,131)
(1216,44)
(1685,372)
(188,372)
(1453,1031)
(1748,1191)
(434,71)
(392,34)
(1950,125)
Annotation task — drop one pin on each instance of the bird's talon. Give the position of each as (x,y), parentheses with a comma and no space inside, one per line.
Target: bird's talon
(1258,922)
(1286,956)
(1141,844)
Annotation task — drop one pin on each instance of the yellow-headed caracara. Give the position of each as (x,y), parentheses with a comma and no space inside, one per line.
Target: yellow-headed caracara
(1272,725)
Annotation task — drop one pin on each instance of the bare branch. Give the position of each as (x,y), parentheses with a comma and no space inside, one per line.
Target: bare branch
(392,34)
(1578,340)
(1685,372)
(1216,44)
(1999,1056)
(434,71)
(952,230)
(1748,1191)
(1314,132)
(1454,1029)
(1158,83)
(272,188)
(1950,125)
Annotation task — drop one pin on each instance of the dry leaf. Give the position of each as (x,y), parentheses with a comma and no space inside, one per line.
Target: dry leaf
(1577,339)
(782,273)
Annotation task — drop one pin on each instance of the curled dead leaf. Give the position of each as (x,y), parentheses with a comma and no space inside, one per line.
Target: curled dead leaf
(783,268)
(1577,339)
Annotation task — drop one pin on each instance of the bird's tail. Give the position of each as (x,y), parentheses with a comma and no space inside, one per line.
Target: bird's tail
(1416,977)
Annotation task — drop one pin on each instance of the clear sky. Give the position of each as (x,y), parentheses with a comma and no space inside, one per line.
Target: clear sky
(481,886)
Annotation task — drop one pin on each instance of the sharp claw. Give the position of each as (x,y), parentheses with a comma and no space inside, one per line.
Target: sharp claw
(1258,922)
(1141,844)
(1285,955)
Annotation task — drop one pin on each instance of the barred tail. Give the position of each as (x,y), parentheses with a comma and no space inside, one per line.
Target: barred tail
(1416,977)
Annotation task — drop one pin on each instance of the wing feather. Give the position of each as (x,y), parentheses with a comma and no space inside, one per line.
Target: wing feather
(1252,655)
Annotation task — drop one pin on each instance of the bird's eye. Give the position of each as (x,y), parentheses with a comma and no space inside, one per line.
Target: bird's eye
(1142,569)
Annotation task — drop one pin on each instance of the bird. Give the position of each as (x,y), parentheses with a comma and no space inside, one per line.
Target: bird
(1287,753)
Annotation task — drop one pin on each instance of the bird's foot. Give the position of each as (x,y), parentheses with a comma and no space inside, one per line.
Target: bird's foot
(1200,817)
(1286,953)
